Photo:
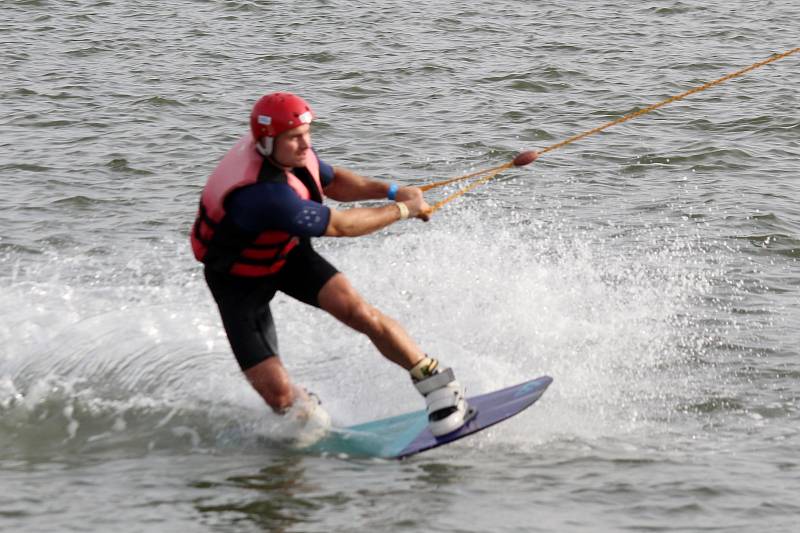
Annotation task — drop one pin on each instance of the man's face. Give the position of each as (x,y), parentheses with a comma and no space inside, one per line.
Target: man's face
(291,147)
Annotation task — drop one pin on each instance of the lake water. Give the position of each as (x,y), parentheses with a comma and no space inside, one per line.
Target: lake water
(651,270)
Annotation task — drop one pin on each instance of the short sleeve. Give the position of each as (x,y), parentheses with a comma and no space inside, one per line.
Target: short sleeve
(325,173)
(275,206)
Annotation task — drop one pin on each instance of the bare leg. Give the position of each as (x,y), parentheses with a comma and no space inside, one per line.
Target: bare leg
(270,379)
(340,299)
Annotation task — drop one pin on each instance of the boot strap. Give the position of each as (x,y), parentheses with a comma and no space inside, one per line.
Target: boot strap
(436,381)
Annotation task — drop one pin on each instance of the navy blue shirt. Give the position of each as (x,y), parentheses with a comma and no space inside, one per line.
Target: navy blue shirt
(275,206)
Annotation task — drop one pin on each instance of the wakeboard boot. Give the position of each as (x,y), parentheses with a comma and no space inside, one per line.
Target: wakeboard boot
(445,400)
(306,421)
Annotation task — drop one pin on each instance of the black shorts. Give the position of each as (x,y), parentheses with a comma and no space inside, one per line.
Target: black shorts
(244,302)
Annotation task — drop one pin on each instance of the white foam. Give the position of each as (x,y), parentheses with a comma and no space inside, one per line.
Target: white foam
(499,298)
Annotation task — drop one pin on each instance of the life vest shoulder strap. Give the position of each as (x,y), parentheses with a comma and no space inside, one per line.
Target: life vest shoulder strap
(271,173)
(304,175)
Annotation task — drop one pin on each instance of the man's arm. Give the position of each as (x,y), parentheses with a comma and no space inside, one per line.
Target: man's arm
(347,186)
(362,220)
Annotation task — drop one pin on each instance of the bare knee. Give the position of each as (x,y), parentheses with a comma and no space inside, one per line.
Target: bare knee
(341,300)
(364,318)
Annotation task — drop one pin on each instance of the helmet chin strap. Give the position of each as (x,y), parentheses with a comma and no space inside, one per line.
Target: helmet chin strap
(264,146)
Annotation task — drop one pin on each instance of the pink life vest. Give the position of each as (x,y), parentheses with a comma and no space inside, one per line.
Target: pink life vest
(218,243)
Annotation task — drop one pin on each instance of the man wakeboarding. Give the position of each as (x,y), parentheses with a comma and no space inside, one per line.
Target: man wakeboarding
(258,212)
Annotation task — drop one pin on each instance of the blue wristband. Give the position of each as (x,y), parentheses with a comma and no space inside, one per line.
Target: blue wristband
(392,194)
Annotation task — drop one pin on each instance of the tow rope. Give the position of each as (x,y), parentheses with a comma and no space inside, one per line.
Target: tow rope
(526,157)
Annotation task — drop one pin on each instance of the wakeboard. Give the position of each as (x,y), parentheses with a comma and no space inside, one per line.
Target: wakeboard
(401,436)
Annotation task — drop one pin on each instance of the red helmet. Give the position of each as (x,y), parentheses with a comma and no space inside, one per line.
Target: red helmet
(278,112)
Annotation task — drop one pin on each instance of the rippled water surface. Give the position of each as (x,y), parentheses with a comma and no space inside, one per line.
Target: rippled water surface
(651,269)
